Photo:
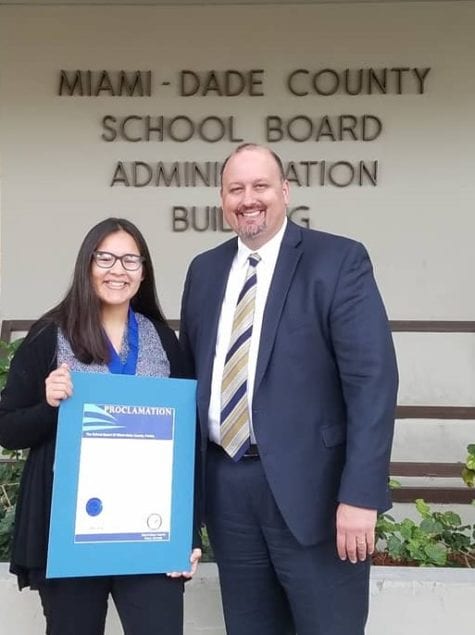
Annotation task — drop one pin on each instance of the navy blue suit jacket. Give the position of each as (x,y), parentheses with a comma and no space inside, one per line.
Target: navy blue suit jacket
(326,378)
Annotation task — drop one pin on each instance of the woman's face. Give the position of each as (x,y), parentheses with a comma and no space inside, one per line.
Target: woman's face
(116,286)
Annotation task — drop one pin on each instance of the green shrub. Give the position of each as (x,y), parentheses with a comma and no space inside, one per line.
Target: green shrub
(11,464)
(10,473)
(438,540)
(7,350)
(468,473)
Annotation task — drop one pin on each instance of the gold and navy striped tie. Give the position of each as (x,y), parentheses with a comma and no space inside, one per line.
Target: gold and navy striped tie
(235,426)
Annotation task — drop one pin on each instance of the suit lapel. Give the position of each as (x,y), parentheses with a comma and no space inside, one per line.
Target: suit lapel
(289,256)
(213,300)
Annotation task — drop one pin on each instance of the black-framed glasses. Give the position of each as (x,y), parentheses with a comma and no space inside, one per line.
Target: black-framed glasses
(106,260)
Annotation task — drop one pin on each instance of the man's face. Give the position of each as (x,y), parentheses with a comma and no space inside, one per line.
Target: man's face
(253,196)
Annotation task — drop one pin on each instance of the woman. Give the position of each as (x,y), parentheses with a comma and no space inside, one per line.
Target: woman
(109,321)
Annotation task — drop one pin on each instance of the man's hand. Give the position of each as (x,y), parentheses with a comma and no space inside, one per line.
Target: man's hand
(355,532)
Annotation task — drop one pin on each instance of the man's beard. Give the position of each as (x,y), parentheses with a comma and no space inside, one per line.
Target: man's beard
(251,231)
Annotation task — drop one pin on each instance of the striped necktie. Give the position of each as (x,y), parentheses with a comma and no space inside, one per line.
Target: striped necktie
(235,426)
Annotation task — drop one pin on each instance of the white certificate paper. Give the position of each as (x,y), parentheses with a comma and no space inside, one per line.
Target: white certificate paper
(123,445)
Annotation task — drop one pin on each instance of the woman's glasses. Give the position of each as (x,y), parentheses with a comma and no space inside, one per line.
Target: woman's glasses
(106,260)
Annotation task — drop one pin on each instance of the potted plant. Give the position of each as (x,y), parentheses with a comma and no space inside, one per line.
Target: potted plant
(428,583)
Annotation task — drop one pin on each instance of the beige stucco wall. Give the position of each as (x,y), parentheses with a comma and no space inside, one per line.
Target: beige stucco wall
(418,222)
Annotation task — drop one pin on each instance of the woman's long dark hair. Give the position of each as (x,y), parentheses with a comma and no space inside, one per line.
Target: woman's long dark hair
(79,313)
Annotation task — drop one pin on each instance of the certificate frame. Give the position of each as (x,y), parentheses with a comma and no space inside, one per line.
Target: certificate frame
(69,558)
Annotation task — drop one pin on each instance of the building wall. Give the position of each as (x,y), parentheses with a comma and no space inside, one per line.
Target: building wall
(417,221)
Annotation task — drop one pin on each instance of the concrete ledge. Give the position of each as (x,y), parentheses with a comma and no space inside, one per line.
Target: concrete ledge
(21,613)
(419,601)
(413,601)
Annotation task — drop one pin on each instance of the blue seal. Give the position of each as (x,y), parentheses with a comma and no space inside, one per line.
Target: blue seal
(94,506)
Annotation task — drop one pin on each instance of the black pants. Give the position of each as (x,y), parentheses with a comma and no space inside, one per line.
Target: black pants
(146,604)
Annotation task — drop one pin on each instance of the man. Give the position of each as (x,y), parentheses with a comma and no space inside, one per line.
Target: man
(297,388)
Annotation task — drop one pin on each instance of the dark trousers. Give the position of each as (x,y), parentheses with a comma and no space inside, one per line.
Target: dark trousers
(146,604)
(270,584)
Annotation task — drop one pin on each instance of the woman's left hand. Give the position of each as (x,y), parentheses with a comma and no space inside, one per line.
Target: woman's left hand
(194,559)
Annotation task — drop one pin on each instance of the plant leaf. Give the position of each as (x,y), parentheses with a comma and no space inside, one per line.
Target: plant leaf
(437,554)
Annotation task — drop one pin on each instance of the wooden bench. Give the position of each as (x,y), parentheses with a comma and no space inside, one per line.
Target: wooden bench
(405,494)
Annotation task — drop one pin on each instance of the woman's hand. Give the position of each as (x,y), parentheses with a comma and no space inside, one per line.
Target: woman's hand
(194,559)
(58,385)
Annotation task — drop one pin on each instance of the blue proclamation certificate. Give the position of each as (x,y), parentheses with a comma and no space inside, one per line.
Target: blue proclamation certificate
(123,477)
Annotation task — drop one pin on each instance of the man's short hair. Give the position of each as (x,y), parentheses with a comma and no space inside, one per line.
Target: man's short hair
(253,146)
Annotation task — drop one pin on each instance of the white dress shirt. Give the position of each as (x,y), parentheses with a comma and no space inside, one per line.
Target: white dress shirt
(237,275)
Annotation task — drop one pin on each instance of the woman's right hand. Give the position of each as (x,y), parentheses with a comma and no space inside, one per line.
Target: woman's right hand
(58,385)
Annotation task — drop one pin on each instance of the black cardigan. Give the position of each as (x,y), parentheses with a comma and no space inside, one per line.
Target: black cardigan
(27,421)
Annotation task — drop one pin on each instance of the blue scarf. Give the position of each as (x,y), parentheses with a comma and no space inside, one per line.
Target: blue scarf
(128,367)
